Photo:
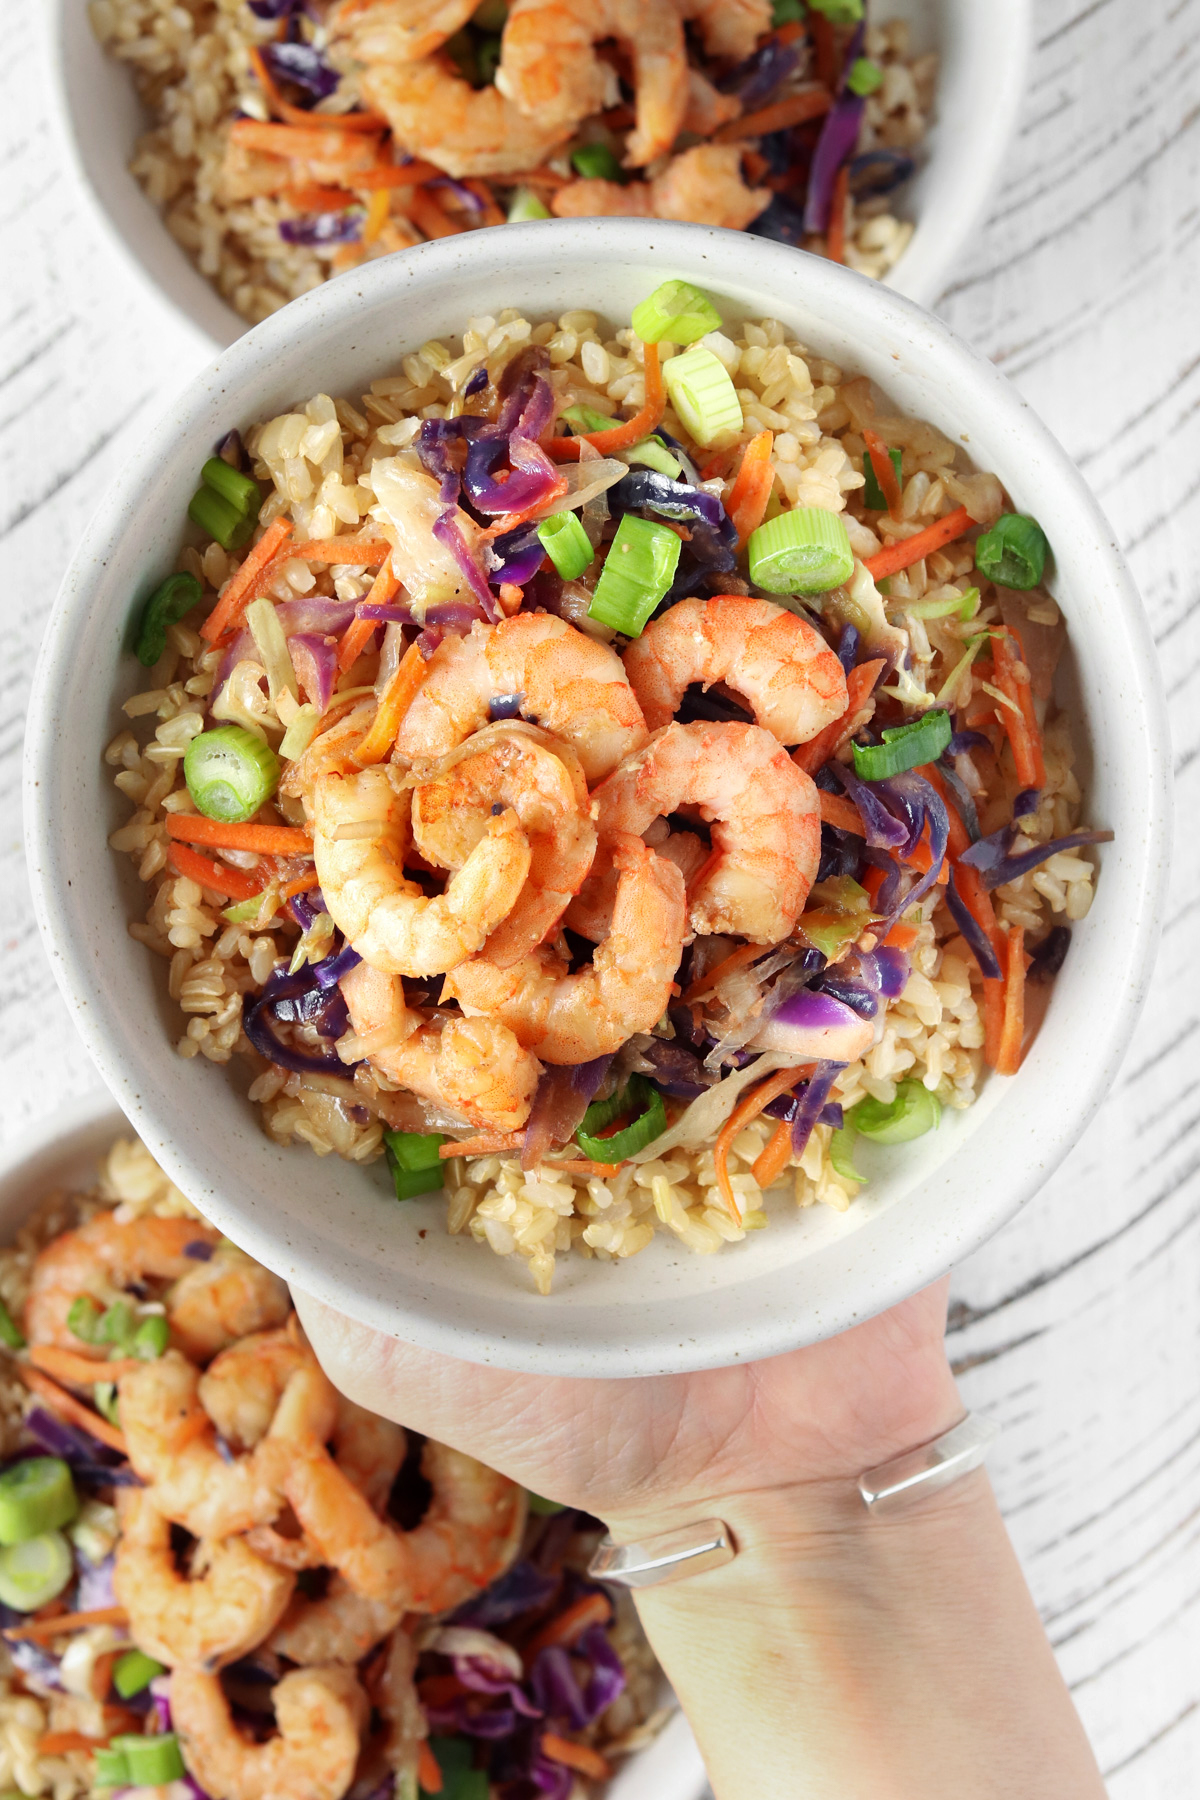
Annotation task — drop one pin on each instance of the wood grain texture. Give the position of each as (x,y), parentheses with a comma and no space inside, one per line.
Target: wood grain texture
(1077,1327)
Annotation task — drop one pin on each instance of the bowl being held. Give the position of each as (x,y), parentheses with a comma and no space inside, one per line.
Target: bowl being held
(330,1227)
(983,56)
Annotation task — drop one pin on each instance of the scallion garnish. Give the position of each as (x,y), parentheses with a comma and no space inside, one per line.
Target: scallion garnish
(965,606)
(839,12)
(35,1571)
(151,1338)
(214,514)
(136,1761)
(133,1672)
(414,1162)
(805,551)
(910,1115)
(230,773)
(652,453)
(704,397)
(597,162)
(10,1331)
(83,1319)
(166,606)
(786,12)
(1013,553)
(240,491)
(904,747)
(649,1121)
(637,572)
(104,1393)
(873,495)
(566,543)
(586,418)
(675,313)
(841,1154)
(36,1495)
(524,206)
(865,77)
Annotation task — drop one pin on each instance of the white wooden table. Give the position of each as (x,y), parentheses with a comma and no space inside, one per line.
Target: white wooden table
(1077,1326)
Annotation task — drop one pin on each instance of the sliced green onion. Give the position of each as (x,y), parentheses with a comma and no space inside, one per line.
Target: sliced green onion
(525,205)
(36,1495)
(566,543)
(904,747)
(543,1508)
(133,1672)
(301,732)
(911,1114)
(151,1761)
(104,1393)
(116,1325)
(652,453)
(865,77)
(230,773)
(704,397)
(675,313)
(841,1155)
(839,12)
(1013,553)
(837,912)
(35,1571)
(487,59)
(166,606)
(272,644)
(873,495)
(649,1122)
(232,485)
(83,1319)
(637,572)
(245,912)
(414,1163)
(805,551)
(214,514)
(151,1338)
(459,1780)
(598,163)
(787,12)
(109,1768)
(586,418)
(10,1331)
(965,606)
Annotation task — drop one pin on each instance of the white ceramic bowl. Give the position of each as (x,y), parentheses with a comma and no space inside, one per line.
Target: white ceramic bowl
(64,1152)
(328,1225)
(984,52)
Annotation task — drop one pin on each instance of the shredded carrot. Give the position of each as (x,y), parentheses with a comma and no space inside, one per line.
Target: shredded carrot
(315,199)
(427,212)
(774,1159)
(539,177)
(825,49)
(576,1756)
(901,936)
(483,193)
(395,175)
(921,859)
(737,959)
(978,903)
(267,840)
(305,885)
(907,551)
(786,34)
(232,884)
(358,633)
(61,1743)
(569,1626)
(580,1165)
(429,1770)
(378,208)
(718,463)
(837,810)
(510,521)
(885,474)
(860,684)
(353,552)
(781,1082)
(70,1408)
(239,590)
(835,238)
(394,702)
(77,1621)
(72,1367)
(749,494)
(632,430)
(781,115)
(873,879)
(1008,1052)
(304,143)
(296,115)
(484,1145)
(1020,726)
(959,839)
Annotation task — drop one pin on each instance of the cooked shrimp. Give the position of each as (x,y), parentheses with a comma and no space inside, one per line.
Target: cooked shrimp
(411,504)
(730,28)
(358,837)
(571,1018)
(707,106)
(397,31)
(475,1067)
(470,1533)
(197,1624)
(550,70)
(101,1259)
(779,664)
(541,779)
(403,1715)
(573,687)
(341,1626)
(224,1299)
(173,1446)
(701,186)
(321,1714)
(765,820)
(436,114)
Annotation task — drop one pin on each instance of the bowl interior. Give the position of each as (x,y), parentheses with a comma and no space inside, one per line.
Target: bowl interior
(330,1226)
(981,49)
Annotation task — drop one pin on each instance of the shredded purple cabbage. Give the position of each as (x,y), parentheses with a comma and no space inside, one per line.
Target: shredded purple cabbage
(678,1071)
(300,999)
(478,382)
(1050,955)
(316,664)
(962,798)
(781,223)
(812,1104)
(1026,802)
(879,171)
(761,73)
(966,740)
(847,649)
(313,229)
(200,1251)
(976,937)
(994,861)
(303,65)
(68,1441)
(518,556)
(521,1589)
(836,144)
(505,706)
